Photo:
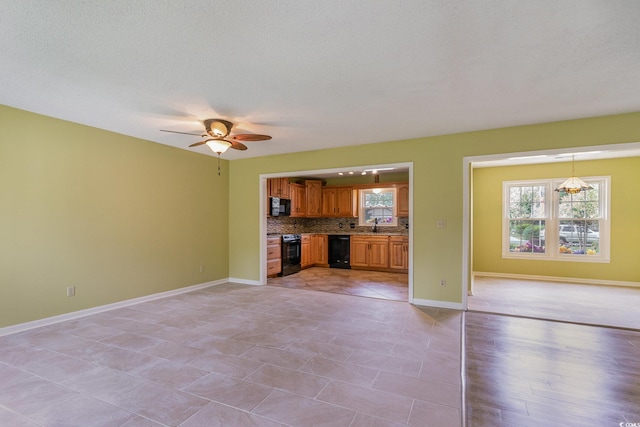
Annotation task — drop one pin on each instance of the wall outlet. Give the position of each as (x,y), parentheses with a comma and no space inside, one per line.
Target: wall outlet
(71,291)
(443,282)
(441,223)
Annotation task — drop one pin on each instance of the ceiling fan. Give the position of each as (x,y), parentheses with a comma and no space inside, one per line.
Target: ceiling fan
(217,132)
(218,138)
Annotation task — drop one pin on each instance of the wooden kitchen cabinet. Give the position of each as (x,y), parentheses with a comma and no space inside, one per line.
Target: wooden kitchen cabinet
(313,196)
(305,256)
(399,253)
(337,201)
(370,252)
(274,256)
(329,201)
(298,200)
(320,250)
(279,187)
(402,193)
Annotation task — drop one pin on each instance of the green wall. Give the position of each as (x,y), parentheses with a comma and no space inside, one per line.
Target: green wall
(625,228)
(120,218)
(437,190)
(115,216)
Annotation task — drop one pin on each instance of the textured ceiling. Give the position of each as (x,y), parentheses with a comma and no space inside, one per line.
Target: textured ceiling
(318,74)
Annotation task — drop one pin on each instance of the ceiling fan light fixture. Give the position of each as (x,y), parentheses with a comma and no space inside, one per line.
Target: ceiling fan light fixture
(218,128)
(218,146)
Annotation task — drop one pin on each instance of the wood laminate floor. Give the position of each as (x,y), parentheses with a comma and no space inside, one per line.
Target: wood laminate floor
(528,372)
(569,302)
(373,284)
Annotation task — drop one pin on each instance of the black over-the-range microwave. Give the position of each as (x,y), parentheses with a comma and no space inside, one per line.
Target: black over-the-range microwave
(280,207)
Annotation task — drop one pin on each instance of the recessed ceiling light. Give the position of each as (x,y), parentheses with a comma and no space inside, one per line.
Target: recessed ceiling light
(340,173)
(379,169)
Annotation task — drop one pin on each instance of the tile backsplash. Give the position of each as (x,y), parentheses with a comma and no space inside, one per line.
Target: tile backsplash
(288,225)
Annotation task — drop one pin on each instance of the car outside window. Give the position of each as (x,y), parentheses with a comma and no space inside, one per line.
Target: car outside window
(540,223)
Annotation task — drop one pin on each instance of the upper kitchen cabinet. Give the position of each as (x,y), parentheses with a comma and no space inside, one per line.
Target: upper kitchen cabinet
(298,200)
(279,187)
(402,209)
(337,202)
(313,195)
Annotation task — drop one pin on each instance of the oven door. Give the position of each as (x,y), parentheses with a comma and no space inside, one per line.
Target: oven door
(291,256)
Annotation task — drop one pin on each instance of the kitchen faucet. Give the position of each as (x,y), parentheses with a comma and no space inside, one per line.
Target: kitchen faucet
(374,229)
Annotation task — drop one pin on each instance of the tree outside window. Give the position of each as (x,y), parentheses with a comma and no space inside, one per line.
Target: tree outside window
(377,206)
(527,218)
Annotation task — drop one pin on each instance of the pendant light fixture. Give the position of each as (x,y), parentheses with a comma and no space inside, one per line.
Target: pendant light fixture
(574,184)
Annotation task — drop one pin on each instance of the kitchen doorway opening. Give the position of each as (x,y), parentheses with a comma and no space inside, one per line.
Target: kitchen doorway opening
(384,281)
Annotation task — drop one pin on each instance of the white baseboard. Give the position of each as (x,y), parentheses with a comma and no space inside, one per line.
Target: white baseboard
(245,281)
(21,327)
(438,304)
(558,279)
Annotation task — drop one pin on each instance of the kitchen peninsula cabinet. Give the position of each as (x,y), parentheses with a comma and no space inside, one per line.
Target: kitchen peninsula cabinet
(399,253)
(313,195)
(274,256)
(370,252)
(337,201)
(298,200)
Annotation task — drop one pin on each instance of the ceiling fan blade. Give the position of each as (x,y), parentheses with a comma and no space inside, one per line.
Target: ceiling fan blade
(183,133)
(236,145)
(198,143)
(251,137)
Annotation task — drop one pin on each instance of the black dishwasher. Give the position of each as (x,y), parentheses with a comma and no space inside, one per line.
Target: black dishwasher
(339,251)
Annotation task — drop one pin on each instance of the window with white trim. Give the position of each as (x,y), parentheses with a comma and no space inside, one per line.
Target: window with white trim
(378,206)
(540,223)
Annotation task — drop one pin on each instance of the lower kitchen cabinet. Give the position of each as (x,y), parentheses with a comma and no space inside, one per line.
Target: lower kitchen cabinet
(274,256)
(370,252)
(320,250)
(399,253)
(305,258)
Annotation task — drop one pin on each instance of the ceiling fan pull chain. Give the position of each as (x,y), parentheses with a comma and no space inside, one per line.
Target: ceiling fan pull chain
(218,164)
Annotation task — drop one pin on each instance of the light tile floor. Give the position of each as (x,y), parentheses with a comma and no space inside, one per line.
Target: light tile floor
(364,283)
(237,355)
(571,302)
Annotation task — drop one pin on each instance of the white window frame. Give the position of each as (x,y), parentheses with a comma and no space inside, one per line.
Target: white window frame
(361,207)
(552,222)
